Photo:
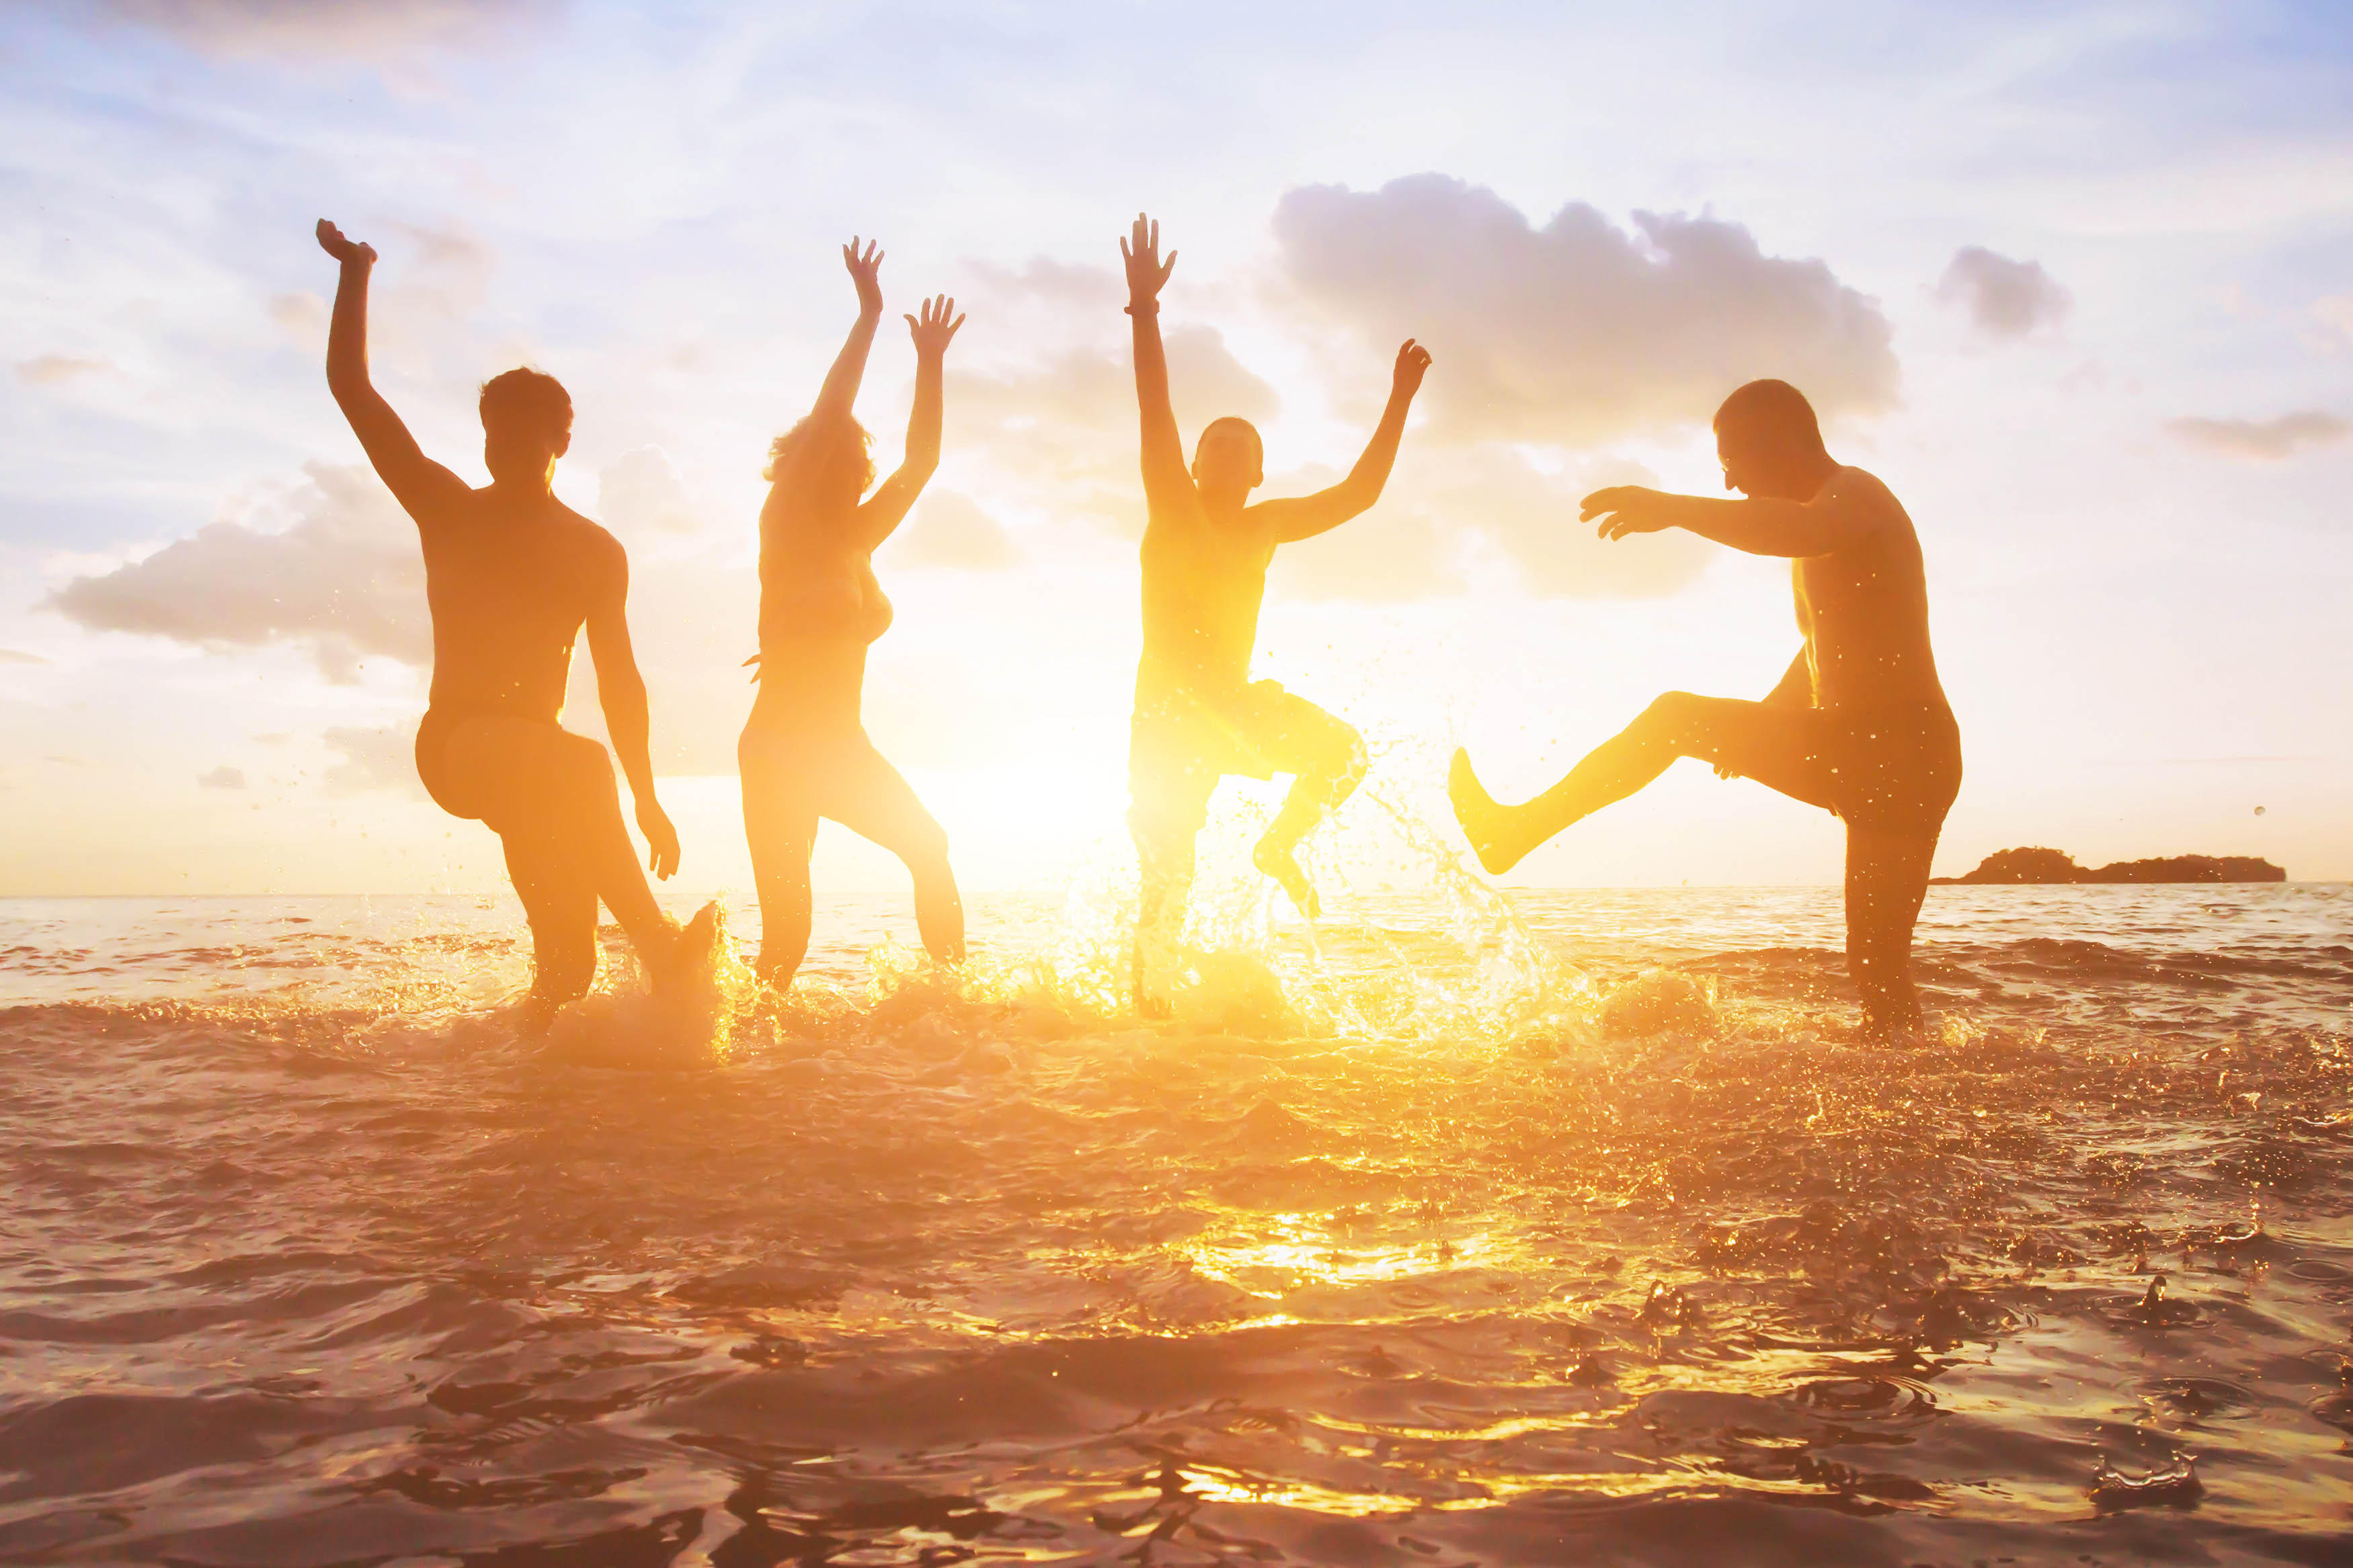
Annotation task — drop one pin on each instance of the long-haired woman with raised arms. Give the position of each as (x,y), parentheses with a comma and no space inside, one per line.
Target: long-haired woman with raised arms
(805,754)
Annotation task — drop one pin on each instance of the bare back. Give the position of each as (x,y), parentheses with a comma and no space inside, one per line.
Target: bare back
(509,586)
(1864,608)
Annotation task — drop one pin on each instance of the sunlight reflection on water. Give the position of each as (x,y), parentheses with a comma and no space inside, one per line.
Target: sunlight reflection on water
(1457,1227)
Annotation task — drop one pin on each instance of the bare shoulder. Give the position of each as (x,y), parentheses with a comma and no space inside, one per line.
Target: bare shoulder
(455,505)
(596,543)
(1865,497)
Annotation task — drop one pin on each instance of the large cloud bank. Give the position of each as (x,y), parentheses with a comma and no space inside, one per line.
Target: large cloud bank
(1578,331)
(345,577)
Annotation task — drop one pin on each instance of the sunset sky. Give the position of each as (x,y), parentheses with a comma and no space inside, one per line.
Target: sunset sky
(2076,281)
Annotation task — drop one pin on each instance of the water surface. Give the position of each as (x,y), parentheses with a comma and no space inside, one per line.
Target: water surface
(1581,1229)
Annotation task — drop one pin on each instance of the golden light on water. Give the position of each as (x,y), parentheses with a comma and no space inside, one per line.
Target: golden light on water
(1275,1256)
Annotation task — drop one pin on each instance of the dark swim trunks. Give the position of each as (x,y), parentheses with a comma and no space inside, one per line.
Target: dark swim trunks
(1897,768)
(1180,744)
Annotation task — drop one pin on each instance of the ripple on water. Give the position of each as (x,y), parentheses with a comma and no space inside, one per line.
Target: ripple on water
(1462,1233)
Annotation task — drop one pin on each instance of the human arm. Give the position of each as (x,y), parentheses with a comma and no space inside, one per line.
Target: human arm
(932,330)
(840,392)
(1759,525)
(418,483)
(1164,476)
(1305,517)
(621,690)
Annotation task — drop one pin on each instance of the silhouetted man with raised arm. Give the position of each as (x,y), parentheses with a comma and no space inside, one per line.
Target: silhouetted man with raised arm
(1199,716)
(1859,725)
(511,574)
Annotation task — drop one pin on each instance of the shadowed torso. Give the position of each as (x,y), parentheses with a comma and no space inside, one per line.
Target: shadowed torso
(1865,609)
(510,585)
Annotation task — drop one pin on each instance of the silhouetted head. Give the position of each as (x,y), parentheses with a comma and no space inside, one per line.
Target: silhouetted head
(526,426)
(1770,443)
(830,458)
(1228,460)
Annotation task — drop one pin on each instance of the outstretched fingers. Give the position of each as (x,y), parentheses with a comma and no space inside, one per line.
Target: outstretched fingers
(1147,269)
(1610,504)
(936,324)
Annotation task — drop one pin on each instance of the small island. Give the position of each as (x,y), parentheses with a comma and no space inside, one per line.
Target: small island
(2042,866)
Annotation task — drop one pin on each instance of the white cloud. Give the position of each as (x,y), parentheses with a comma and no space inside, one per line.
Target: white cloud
(1576,331)
(2336,311)
(356,29)
(302,316)
(1531,516)
(640,491)
(2004,297)
(1060,434)
(2263,441)
(52,370)
(1392,554)
(222,777)
(950,530)
(345,576)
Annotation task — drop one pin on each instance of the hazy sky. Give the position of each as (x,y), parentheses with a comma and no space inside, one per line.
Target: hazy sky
(2076,280)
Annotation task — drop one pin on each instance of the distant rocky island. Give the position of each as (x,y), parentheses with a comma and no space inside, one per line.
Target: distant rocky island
(2039,865)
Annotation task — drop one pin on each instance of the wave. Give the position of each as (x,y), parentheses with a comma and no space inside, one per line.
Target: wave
(1411,1241)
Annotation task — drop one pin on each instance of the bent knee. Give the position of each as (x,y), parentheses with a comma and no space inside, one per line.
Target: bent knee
(1671,712)
(586,765)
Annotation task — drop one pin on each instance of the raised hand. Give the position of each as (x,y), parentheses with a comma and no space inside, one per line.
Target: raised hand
(1412,361)
(1145,272)
(1624,509)
(347,251)
(866,272)
(937,325)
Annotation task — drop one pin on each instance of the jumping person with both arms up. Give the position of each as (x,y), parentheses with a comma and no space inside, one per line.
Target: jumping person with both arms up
(1859,725)
(805,754)
(511,576)
(1199,716)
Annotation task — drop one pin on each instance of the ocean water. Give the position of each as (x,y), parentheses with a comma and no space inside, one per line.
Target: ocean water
(1575,1228)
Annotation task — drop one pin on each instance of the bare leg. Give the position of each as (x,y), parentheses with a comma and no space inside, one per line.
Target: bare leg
(1326,758)
(554,789)
(1886,878)
(1314,794)
(1164,853)
(873,800)
(780,825)
(562,909)
(1776,746)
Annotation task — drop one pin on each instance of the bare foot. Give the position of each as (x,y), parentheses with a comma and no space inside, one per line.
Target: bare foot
(1281,861)
(1483,821)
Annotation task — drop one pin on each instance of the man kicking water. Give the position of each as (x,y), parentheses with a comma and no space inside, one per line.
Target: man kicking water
(511,575)
(1199,716)
(1859,725)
